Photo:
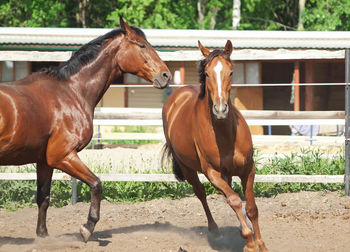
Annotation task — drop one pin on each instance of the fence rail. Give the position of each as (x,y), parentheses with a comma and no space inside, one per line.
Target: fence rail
(271,178)
(149,116)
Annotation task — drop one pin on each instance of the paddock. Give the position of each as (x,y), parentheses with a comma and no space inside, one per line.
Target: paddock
(305,221)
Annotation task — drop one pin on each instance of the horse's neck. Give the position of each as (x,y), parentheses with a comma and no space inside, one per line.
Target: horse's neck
(93,79)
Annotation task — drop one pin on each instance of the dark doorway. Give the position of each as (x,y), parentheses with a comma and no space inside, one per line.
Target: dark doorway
(279,97)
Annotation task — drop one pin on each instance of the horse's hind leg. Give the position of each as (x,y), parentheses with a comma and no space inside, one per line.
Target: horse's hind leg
(44,176)
(198,188)
(251,208)
(72,165)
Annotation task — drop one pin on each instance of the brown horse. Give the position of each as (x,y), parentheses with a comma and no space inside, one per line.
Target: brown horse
(46,118)
(205,133)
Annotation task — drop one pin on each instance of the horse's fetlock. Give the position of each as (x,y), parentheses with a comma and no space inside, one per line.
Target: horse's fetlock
(247,232)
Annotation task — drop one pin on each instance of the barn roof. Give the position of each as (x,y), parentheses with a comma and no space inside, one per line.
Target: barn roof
(179,39)
(57,44)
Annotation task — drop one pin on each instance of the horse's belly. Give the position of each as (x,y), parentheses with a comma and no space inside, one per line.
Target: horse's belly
(19,156)
(22,142)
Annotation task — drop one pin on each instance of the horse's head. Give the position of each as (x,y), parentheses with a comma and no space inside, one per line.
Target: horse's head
(137,56)
(216,78)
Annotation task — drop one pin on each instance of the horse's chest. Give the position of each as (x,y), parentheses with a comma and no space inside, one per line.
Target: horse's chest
(218,156)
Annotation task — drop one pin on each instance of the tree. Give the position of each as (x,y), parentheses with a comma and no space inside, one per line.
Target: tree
(154,13)
(330,15)
(269,15)
(38,13)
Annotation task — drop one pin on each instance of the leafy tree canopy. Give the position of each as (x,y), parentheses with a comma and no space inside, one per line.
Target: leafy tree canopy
(330,15)
(180,14)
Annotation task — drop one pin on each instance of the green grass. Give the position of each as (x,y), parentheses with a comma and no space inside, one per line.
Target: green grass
(133,129)
(17,194)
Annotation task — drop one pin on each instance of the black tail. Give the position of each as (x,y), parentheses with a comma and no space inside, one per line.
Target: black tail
(167,154)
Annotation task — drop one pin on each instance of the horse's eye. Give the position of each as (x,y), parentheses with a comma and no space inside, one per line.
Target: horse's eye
(206,74)
(142,46)
(231,74)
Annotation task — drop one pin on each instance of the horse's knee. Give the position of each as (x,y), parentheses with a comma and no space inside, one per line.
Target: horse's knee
(43,202)
(252,211)
(96,187)
(234,201)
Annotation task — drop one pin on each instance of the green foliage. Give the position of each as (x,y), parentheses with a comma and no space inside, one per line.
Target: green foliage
(38,13)
(310,162)
(269,15)
(330,15)
(182,14)
(154,14)
(17,194)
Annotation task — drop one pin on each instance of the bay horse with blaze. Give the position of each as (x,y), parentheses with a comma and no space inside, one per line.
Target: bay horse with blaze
(47,117)
(206,133)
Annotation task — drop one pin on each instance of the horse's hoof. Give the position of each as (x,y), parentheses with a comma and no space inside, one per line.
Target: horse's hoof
(85,233)
(42,234)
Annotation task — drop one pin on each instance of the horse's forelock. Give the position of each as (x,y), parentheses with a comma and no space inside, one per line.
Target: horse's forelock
(203,63)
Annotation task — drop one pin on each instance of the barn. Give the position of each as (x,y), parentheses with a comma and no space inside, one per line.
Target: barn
(266,63)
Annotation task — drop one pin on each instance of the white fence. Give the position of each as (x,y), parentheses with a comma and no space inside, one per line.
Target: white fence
(137,116)
(171,178)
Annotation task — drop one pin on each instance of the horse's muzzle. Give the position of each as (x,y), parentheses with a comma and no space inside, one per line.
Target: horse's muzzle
(220,111)
(162,80)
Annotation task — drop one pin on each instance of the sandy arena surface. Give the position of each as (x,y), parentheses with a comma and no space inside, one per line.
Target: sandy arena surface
(306,221)
(298,222)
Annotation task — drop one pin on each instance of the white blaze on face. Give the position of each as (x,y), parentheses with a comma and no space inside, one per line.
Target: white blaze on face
(217,70)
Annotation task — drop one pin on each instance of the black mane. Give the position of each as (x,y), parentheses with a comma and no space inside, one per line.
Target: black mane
(203,63)
(84,55)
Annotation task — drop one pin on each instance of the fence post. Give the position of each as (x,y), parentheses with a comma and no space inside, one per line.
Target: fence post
(74,191)
(347,130)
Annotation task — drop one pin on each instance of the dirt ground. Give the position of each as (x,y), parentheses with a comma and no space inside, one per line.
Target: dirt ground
(306,221)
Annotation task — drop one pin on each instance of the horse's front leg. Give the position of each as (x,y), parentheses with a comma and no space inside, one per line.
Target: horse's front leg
(72,165)
(44,176)
(235,203)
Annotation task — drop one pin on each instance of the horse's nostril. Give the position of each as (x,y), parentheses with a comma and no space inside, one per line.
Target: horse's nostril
(165,75)
(225,108)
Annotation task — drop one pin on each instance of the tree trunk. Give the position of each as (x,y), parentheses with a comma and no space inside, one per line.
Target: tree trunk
(213,18)
(201,12)
(81,14)
(301,11)
(236,14)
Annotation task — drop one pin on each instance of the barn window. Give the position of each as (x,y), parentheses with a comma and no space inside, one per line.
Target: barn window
(13,70)
(246,73)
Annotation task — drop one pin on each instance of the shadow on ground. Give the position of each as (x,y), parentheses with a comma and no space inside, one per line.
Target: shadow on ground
(230,238)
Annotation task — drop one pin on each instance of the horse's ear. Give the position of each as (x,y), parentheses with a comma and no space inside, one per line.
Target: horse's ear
(124,25)
(204,50)
(228,48)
